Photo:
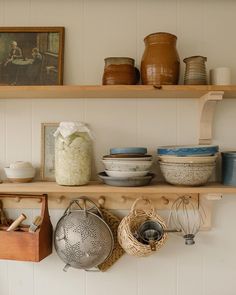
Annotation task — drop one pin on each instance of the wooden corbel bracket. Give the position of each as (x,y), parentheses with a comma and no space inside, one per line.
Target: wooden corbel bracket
(206,203)
(207,106)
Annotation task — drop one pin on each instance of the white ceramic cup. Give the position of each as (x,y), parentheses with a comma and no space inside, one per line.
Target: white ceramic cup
(220,76)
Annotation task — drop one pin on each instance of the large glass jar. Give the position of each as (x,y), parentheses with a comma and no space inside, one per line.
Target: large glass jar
(73,155)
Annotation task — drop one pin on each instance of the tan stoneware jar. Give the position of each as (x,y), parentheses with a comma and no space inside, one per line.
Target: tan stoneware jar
(160,62)
(120,71)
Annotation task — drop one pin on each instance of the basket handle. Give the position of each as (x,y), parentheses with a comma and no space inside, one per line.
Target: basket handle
(149,210)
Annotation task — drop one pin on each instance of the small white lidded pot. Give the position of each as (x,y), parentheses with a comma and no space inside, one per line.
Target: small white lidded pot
(20,172)
(220,76)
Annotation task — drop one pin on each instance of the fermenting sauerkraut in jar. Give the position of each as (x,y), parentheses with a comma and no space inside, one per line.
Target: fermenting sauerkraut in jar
(73,154)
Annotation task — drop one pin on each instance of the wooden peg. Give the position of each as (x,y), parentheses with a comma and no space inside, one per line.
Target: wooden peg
(17,199)
(101,201)
(60,199)
(82,203)
(123,199)
(165,200)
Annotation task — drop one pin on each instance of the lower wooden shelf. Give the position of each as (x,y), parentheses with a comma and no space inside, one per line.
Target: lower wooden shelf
(100,188)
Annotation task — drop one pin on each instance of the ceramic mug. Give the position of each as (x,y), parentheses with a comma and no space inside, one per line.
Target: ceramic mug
(220,76)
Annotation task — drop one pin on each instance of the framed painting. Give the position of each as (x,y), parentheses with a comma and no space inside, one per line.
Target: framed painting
(31,55)
(48,151)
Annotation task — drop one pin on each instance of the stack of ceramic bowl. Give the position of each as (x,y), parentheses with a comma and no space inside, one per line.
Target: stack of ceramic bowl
(127,167)
(187,165)
(195,72)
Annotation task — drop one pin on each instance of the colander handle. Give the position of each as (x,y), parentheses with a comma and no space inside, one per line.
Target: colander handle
(85,200)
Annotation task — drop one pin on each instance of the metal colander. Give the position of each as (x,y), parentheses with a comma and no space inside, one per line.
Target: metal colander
(82,238)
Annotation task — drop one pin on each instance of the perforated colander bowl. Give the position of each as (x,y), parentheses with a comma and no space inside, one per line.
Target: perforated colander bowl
(82,238)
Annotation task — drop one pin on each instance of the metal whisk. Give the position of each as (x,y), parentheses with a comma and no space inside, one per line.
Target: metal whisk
(186,216)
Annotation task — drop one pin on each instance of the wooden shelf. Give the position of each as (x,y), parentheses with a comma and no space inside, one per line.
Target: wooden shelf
(117,91)
(100,189)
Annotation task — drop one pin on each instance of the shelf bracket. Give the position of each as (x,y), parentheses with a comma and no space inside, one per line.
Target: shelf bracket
(207,106)
(206,203)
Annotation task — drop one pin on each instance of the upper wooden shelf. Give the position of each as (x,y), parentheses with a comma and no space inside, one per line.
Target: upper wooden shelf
(117,91)
(100,188)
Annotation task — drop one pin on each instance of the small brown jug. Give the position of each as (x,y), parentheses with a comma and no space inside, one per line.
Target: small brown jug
(120,71)
(160,61)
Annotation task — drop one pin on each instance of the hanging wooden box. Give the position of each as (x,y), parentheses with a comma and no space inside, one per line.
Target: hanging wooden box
(26,246)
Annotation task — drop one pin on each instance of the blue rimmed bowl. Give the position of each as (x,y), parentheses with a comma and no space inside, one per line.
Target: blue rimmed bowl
(129,150)
(188,151)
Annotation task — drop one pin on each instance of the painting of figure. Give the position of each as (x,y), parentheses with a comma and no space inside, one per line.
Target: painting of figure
(31,56)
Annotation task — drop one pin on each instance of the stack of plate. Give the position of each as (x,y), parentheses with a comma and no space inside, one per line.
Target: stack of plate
(187,165)
(127,167)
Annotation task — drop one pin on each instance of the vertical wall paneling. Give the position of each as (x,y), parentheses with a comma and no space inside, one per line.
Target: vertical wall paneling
(18,130)
(110,30)
(113,123)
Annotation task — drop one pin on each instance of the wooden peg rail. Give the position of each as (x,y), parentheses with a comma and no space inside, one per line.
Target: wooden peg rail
(118,198)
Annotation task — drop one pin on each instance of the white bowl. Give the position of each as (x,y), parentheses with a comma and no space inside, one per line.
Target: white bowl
(107,158)
(126,174)
(127,165)
(197,160)
(20,174)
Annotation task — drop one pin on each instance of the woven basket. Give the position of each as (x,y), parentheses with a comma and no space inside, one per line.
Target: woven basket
(130,225)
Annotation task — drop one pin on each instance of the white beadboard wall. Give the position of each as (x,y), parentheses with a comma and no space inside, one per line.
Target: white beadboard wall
(96,29)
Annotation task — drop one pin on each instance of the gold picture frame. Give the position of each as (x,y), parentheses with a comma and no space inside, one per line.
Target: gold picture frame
(47,170)
(31,55)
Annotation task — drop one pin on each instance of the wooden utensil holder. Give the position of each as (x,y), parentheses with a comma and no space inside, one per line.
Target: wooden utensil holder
(26,246)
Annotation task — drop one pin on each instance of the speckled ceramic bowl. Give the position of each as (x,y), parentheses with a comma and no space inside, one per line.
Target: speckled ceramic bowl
(127,165)
(187,174)
(186,160)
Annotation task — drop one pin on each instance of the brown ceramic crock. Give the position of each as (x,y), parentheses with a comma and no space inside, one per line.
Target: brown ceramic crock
(120,71)
(160,61)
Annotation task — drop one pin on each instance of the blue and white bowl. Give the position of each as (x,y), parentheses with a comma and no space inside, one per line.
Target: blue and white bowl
(188,151)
